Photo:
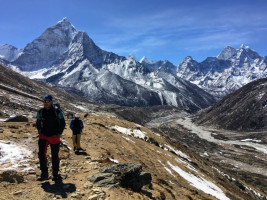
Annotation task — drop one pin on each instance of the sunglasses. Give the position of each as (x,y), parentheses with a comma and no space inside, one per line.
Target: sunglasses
(47,101)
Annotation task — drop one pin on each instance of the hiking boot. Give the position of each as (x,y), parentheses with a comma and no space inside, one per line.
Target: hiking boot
(57,178)
(80,149)
(74,148)
(43,177)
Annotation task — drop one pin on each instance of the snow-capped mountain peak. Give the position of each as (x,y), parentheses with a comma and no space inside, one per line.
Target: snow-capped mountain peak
(132,57)
(188,63)
(68,58)
(44,50)
(223,74)
(9,52)
(188,58)
(245,51)
(227,53)
(64,21)
(244,46)
(66,26)
(158,65)
(144,59)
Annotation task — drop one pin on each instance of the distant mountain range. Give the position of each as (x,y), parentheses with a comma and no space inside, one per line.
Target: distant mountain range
(220,75)
(69,59)
(223,74)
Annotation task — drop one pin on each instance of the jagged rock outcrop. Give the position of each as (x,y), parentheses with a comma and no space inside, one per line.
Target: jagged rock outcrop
(124,175)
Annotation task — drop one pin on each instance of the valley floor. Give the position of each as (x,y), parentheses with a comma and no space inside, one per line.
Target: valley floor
(240,153)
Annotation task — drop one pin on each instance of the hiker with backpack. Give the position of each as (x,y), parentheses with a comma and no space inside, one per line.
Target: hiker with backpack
(50,124)
(76,125)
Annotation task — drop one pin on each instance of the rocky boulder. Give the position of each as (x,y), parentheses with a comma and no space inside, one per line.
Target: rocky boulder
(2,114)
(18,118)
(124,175)
(11,177)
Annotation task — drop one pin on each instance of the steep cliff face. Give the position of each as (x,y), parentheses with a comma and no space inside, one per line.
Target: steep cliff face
(44,50)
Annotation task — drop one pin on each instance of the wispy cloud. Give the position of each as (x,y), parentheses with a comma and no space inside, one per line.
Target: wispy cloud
(201,30)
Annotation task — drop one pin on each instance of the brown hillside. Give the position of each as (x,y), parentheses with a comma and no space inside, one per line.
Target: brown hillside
(244,109)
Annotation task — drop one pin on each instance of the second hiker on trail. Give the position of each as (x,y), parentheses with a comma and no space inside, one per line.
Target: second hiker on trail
(76,125)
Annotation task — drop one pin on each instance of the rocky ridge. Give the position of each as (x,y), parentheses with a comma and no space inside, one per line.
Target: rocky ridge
(22,96)
(245,109)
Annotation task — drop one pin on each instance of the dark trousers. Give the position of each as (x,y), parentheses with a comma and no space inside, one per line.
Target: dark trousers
(43,143)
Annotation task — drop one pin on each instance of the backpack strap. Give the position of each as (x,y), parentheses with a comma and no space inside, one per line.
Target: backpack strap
(41,114)
(57,112)
(41,117)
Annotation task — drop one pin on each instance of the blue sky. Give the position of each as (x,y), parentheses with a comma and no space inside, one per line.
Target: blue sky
(158,29)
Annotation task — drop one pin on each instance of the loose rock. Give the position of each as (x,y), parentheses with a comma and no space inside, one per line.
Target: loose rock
(125,175)
(11,177)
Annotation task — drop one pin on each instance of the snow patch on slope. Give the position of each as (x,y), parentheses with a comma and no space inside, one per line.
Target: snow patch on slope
(14,157)
(135,133)
(200,183)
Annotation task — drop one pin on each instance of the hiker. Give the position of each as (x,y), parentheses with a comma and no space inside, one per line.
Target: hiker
(76,125)
(50,124)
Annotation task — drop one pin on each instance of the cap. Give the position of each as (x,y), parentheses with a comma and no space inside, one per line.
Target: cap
(48,96)
(76,115)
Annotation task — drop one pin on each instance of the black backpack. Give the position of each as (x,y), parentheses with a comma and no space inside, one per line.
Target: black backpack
(57,111)
(76,126)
